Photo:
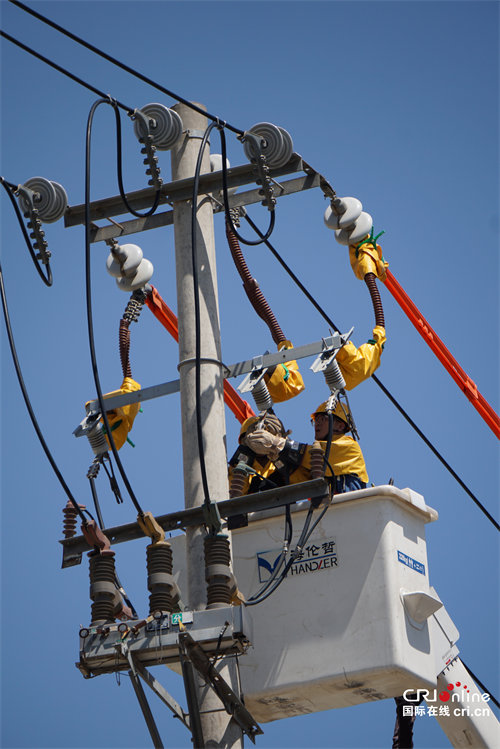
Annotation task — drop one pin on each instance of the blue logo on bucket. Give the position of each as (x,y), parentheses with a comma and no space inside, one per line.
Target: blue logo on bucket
(412,563)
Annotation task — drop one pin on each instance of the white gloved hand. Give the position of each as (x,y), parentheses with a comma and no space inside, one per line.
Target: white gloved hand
(263,442)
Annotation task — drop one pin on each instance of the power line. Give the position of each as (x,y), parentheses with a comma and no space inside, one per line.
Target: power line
(62,70)
(29,407)
(88,287)
(122,65)
(263,238)
(437,453)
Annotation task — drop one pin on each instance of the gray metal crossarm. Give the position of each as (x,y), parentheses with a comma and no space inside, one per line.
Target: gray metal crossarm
(138,396)
(229,699)
(334,341)
(74,547)
(225,631)
(181,189)
(165,218)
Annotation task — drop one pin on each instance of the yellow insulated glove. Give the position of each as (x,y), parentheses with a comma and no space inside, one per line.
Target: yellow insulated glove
(262,442)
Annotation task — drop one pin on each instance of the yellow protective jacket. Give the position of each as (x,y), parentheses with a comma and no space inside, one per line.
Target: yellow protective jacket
(285,381)
(357,364)
(260,465)
(345,457)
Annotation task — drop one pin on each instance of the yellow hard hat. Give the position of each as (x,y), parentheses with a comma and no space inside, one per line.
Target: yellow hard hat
(341,411)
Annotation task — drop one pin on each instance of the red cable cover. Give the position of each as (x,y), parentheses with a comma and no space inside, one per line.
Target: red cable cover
(462,379)
(240,408)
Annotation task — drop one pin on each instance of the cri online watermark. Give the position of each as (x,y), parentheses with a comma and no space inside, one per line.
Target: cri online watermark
(470,702)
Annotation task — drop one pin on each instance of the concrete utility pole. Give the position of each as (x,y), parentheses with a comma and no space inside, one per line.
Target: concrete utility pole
(218,729)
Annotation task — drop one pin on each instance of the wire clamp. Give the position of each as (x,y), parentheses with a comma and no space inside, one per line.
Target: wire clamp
(212,518)
(261,169)
(34,223)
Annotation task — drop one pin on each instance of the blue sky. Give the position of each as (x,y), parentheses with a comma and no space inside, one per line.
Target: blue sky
(396,103)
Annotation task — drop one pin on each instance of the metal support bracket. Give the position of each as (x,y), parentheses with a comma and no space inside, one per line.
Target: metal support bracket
(192,700)
(212,517)
(141,697)
(206,669)
(331,347)
(254,377)
(280,496)
(337,340)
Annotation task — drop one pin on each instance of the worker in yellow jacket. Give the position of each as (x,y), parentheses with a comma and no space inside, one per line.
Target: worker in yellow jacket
(267,458)
(285,461)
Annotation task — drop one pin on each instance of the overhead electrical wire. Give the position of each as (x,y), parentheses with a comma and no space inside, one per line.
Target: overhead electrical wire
(120,171)
(376,379)
(90,326)
(29,407)
(62,70)
(116,104)
(263,237)
(121,65)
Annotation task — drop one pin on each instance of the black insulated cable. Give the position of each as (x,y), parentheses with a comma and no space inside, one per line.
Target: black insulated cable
(437,454)
(47,279)
(119,166)
(304,536)
(90,325)
(197,319)
(480,683)
(326,461)
(29,407)
(376,380)
(257,597)
(62,70)
(121,65)
(116,104)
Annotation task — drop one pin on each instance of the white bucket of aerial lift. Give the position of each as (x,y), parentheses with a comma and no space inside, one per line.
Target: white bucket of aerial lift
(350,623)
